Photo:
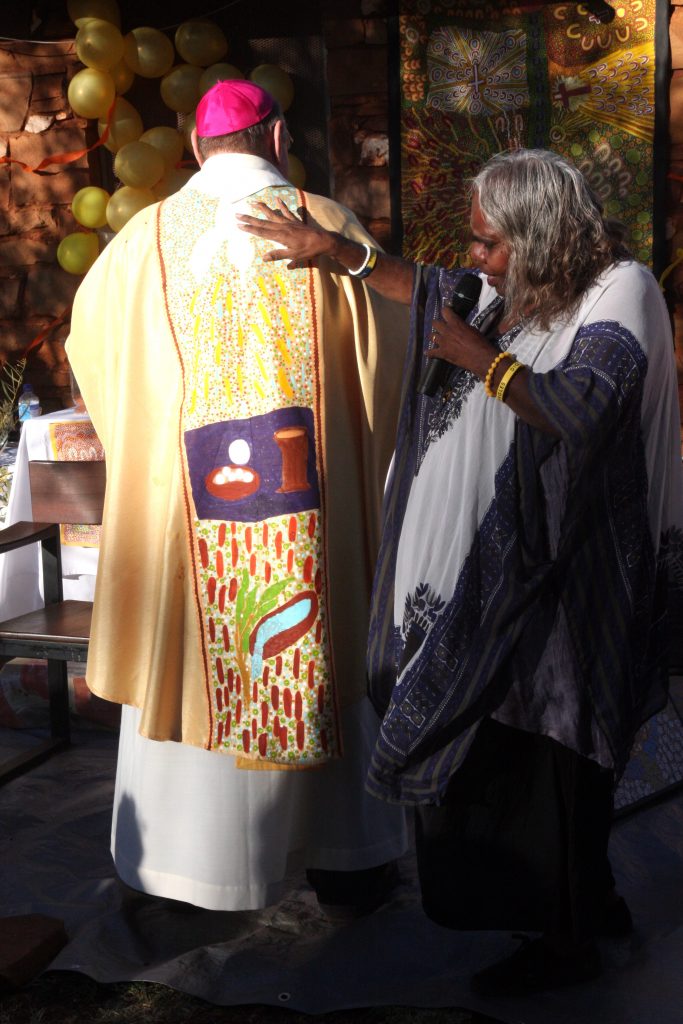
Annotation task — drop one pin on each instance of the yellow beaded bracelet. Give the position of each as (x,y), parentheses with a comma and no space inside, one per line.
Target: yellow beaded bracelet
(506,378)
(491,370)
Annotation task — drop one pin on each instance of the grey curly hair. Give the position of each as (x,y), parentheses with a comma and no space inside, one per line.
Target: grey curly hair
(558,240)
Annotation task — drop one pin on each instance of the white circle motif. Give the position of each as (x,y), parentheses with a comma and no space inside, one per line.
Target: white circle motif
(239,452)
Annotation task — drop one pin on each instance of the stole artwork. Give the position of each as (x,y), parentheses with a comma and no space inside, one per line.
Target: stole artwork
(251,444)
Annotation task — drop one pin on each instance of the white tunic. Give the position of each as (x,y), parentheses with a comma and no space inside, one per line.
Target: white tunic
(189,825)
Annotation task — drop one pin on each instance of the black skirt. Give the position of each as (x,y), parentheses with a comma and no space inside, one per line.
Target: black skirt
(520,842)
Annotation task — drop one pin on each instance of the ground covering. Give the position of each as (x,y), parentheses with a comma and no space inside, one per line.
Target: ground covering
(60,997)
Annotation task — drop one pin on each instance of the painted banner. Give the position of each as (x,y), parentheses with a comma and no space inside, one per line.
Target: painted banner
(477,79)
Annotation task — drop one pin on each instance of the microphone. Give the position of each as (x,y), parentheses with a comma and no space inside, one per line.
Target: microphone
(601,11)
(463,302)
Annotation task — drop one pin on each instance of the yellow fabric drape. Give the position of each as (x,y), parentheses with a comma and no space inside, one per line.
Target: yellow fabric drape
(146,645)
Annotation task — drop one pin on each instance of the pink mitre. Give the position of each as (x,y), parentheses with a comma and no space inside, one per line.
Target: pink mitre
(232,106)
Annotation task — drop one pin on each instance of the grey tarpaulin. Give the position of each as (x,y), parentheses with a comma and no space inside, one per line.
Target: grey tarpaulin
(54,849)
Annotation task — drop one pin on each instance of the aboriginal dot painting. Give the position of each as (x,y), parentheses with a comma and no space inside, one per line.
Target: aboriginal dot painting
(246,335)
(76,441)
(479,78)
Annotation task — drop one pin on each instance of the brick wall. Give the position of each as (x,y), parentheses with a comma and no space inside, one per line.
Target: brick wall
(357,80)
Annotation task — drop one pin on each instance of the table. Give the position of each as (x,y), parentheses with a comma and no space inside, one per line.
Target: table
(47,437)
(8,458)
(66,434)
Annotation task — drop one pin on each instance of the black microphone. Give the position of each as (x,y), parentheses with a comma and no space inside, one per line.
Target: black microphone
(601,11)
(463,302)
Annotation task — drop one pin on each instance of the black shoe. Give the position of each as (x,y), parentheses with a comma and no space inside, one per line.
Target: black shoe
(347,895)
(535,967)
(617,921)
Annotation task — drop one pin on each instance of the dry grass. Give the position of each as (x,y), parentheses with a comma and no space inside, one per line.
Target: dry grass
(59,997)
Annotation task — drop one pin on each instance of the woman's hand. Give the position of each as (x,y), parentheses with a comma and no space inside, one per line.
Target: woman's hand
(300,237)
(458,343)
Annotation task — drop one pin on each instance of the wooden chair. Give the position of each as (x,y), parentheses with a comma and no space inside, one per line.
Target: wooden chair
(61,492)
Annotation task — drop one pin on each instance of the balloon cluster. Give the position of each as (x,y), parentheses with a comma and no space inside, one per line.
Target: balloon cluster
(148,163)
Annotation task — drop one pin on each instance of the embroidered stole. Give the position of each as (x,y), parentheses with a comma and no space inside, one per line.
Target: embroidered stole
(247,338)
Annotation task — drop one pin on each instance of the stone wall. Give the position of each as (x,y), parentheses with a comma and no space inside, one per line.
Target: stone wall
(357,80)
(35,123)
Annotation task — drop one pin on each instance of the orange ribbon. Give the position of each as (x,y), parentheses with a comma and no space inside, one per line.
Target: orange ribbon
(40,338)
(64,158)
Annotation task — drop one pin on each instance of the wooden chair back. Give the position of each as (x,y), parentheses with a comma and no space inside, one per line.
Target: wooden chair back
(67,492)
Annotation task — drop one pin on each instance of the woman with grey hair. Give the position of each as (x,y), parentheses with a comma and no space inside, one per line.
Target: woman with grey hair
(518,633)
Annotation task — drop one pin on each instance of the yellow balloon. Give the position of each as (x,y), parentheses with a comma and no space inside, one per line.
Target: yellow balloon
(126,125)
(297,171)
(200,42)
(139,165)
(81,11)
(77,252)
(275,81)
(180,88)
(148,52)
(218,73)
(91,93)
(168,141)
(99,44)
(89,206)
(188,126)
(123,77)
(173,180)
(125,203)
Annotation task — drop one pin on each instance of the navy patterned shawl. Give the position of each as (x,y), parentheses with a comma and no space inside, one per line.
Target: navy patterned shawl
(452,660)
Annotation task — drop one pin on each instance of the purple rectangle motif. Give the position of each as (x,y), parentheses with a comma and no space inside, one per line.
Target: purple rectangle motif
(253,469)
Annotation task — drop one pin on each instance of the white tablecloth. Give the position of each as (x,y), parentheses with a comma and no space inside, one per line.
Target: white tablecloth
(20,576)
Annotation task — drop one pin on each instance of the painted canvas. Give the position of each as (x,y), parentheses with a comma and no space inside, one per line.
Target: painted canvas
(476,79)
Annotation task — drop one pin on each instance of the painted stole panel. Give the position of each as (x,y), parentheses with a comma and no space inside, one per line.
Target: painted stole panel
(250,437)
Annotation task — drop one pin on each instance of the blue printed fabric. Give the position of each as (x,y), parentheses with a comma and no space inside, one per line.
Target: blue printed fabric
(468,505)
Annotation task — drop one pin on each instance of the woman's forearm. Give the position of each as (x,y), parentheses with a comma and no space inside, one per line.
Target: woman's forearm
(518,399)
(391,277)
